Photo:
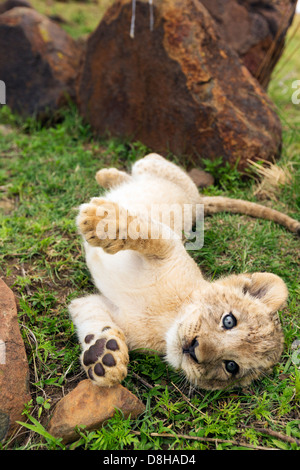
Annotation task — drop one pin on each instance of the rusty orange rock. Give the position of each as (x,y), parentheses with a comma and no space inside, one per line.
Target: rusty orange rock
(14,371)
(91,406)
(255,29)
(177,88)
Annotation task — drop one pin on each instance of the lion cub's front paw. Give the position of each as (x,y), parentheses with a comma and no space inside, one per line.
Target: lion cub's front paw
(105,357)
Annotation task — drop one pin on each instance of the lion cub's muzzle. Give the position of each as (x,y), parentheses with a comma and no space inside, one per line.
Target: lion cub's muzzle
(190,349)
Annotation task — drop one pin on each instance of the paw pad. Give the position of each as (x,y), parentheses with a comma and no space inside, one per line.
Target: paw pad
(105,360)
(99,370)
(94,352)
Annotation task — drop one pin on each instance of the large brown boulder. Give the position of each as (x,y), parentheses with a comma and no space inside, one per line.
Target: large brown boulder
(14,371)
(255,29)
(39,62)
(177,88)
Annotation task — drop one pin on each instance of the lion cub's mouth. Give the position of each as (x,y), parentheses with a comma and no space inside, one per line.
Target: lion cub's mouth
(179,350)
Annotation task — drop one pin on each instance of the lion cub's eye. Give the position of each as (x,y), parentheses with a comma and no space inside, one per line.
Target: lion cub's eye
(231,367)
(229,321)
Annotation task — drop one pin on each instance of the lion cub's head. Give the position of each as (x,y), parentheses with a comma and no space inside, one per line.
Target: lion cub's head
(229,332)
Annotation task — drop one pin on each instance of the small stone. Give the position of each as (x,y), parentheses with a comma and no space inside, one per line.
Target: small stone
(296,344)
(91,406)
(201,178)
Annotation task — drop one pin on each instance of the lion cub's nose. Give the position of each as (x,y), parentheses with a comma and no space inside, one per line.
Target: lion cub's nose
(191,350)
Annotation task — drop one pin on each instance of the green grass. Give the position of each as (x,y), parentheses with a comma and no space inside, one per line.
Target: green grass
(80,18)
(45,173)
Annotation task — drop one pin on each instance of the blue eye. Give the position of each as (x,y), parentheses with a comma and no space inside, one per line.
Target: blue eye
(231,367)
(229,321)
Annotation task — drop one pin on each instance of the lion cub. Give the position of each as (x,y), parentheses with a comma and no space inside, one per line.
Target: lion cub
(152,294)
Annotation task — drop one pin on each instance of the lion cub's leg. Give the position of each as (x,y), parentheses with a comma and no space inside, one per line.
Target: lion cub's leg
(105,224)
(111,177)
(104,352)
(158,166)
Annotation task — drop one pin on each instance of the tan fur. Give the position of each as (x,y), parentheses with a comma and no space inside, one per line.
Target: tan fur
(216,204)
(153,295)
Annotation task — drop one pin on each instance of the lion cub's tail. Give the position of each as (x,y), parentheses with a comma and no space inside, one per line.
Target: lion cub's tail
(214,204)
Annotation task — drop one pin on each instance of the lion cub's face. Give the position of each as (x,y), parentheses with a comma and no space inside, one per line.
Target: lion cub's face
(229,333)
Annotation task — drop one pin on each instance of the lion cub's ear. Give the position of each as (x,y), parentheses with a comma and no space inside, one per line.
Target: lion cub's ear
(268,288)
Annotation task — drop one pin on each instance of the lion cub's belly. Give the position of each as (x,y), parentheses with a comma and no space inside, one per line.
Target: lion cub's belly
(124,278)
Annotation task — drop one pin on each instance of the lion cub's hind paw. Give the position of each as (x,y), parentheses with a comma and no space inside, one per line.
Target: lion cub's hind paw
(110,177)
(91,214)
(87,222)
(105,357)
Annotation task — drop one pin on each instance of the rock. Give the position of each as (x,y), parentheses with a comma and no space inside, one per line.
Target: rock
(201,178)
(14,371)
(9,4)
(256,30)
(178,88)
(41,62)
(91,406)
